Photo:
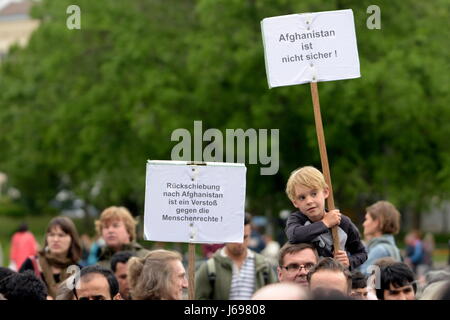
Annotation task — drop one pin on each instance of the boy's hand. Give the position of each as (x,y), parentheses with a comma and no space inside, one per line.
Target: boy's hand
(341,256)
(332,218)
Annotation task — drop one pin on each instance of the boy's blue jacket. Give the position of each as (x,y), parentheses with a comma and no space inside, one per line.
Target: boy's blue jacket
(299,229)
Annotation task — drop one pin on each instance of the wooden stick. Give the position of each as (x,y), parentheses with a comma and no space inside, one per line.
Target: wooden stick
(191,272)
(324,157)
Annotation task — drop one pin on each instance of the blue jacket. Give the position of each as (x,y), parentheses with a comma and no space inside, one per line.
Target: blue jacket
(380,247)
(416,252)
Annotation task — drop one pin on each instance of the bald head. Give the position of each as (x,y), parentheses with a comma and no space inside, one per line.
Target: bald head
(281,291)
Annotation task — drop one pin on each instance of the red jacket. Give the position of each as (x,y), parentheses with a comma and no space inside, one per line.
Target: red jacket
(23,245)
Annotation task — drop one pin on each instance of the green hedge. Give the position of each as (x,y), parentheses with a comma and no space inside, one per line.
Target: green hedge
(12,209)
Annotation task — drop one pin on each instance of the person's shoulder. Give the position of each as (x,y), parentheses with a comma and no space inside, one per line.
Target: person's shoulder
(380,247)
(260,258)
(379,250)
(29,235)
(105,263)
(140,250)
(297,215)
(347,223)
(345,217)
(221,259)
(202,268)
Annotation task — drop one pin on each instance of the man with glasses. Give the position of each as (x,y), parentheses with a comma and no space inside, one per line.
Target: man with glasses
(97,283)
(295,261)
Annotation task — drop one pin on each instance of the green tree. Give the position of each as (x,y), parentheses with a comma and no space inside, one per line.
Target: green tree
(85,108)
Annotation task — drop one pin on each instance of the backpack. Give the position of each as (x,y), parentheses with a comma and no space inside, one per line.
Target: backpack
(211,269)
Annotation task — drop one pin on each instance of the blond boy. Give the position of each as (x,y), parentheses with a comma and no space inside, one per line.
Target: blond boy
(311,223)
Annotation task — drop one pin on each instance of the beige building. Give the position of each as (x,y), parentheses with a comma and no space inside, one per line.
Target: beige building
(16,26)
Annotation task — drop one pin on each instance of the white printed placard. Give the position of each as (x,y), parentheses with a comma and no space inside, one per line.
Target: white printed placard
(194,203)
(310,47)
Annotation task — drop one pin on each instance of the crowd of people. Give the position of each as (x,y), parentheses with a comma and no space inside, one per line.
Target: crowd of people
(306,267)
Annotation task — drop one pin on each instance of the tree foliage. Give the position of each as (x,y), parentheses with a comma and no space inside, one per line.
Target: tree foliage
(80,108)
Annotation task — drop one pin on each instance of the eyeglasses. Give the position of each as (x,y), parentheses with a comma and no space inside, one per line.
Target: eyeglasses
(294,267)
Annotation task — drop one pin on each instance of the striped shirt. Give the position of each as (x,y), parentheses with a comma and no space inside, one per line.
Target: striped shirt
(243,280)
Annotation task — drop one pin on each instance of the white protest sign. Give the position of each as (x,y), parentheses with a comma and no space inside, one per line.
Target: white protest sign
(194,203)
(310,47)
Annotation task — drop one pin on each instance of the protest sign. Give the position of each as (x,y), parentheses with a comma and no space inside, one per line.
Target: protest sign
(312,47)
(309,47)
(194,203)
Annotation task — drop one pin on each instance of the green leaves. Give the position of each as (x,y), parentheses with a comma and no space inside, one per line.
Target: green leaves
(90,106)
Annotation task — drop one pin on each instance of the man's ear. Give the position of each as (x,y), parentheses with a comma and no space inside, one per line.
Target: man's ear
(118,297)
(279,273)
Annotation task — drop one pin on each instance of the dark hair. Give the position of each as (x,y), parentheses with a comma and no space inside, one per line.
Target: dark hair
(444,293)
(247,218)
(359,280)
(289,248)
(398,274)
(5,272)
(23,227)
(23,287)
(112,281)
(67,226)
(332,294)
(5,275)
(332,265)
(122,257)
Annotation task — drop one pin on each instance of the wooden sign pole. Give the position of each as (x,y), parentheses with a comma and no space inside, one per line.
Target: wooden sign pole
(324,157)
(191,272)
(191,251)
